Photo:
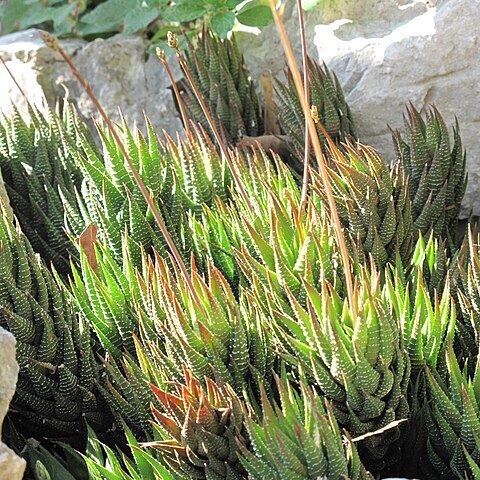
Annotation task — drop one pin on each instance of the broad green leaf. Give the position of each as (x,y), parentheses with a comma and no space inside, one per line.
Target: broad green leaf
(139,18)
(108,15)
(216,4)
(257,16)
(184,12)
(11,14)
(222,23)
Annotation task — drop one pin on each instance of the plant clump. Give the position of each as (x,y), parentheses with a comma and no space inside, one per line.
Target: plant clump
(436,167)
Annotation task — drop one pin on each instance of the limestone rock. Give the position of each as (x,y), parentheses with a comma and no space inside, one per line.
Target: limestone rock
(423,52)
(11,466)
(118,69)
(263,52)
(34,67)
(124,77)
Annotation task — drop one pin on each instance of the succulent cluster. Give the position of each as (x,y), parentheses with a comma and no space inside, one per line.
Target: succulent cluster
(332,111)
(214,321)
(453,423)
(373,205)
(36,166)
(205,426)
(436,169)
(353,354)
(182,178)
(467,275)
(56,389)
(222,78)
(300,440)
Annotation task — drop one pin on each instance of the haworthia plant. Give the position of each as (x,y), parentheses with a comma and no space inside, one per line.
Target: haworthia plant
(373,205)
(435,165)
(36,164)
(212,332)
(427,323)
(266,229)
(435,263)
(182,177)
(223,80)
(183,363)
(327,96)
(300,439)
(356,358)
(56,390)
(205,426)
(453,423)
(467,277)
(99,461)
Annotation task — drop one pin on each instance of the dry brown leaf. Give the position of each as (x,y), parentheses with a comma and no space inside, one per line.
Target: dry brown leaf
(391,425)
(269,116)
(276,143)
(87,240)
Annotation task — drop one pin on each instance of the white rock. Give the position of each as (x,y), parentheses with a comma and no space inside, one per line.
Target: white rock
(34,66)
(11,466)
(423,52)
(118,69)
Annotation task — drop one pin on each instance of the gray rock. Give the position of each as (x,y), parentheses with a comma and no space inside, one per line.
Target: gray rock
(124,78)
(34,66)
(263,52)
(11,466)
(423,52)
(118,69)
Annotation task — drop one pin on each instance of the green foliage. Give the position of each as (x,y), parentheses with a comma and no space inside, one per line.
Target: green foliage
(219,337)
(453,423)
(56,390)
(22,14)
(205,429)
(300,440)
(327,96)
(468,295)
(99,18)
(36,164)
(99,461)
(373,205)
(436,169)
(433,260)
(46,465)
(220,74)
(183,178)
(356,360)
(237,226)
(426,322)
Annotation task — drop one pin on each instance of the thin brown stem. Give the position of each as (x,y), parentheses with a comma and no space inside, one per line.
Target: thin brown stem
(173,43)
(183,113)
(306,161)
(53,43)
(14,79)
(337,226)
